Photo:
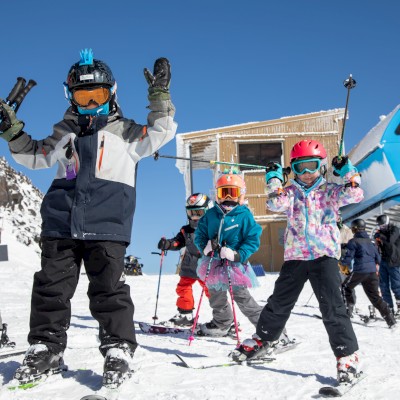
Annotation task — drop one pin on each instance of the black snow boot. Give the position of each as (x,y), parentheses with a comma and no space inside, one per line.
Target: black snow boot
(390,319)
(350,310)
(117,365)
(39,361)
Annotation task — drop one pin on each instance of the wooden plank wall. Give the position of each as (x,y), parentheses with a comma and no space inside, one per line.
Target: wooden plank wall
(325,129)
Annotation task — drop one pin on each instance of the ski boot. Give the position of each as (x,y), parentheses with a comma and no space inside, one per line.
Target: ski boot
(232,331)
(397,313)
(390,320)
(284,341)
(252,349)
(211,329)
(350,310)
(347,368)
(117,365)
(39,362)
(184,319)
(4,339)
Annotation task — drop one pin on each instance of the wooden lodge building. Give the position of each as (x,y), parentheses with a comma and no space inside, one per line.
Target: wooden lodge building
(257,143)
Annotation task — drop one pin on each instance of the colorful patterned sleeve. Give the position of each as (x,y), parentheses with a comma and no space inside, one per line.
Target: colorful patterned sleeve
(350,192)
(277,200)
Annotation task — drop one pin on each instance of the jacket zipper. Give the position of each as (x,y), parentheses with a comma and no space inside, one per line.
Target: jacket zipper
(101,151)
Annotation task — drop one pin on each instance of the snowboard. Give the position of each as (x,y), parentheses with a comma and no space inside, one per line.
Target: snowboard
(342,388)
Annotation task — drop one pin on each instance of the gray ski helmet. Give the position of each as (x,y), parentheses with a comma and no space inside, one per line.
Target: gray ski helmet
(197,204)
(382,220)
(89,72)
(358,224)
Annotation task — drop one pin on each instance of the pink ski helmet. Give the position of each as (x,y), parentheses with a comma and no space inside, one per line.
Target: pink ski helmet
(307,148)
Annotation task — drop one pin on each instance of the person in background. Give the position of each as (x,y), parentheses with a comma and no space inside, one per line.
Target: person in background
(88,210)
(311,252)
(345,235)
(387,238)
(197,204)
(365,271)
(4,339)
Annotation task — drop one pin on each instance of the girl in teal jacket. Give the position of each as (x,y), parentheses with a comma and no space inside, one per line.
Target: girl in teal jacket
(228,235)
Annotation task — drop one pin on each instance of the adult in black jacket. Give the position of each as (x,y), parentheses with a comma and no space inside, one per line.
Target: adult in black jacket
(363,252)
(387,238)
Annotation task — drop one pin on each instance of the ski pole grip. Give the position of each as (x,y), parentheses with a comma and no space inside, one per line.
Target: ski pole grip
(15,90)
(21,95)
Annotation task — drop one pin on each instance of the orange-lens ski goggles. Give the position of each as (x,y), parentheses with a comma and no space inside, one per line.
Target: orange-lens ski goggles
(228,191)
(195,212)
(83,97)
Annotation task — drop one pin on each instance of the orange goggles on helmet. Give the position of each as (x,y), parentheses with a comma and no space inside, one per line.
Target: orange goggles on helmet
(98,95)
(224,192)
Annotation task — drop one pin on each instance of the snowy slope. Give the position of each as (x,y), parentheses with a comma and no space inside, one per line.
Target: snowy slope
(297,374)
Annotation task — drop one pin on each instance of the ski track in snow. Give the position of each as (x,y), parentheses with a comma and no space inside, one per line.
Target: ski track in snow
(297,374)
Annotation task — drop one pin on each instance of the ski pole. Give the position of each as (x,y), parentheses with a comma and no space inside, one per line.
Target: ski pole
(232,301)
(159,280)
(191,337)
(18,93)
(157,155)
(349,84)
(312,294)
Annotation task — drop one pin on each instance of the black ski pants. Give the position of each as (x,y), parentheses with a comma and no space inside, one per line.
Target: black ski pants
(370,284)
(323,274)
(54,285)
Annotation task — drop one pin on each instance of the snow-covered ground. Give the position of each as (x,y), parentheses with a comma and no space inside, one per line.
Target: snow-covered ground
(297,374)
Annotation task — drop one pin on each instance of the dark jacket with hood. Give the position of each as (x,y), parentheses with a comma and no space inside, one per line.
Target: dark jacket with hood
(191,255)
(364,253)
(97,202)
(388,240)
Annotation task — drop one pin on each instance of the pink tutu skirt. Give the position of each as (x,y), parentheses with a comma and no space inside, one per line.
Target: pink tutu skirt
(242,275)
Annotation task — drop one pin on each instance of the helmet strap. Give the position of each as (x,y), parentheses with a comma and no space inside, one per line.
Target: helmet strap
(228,205)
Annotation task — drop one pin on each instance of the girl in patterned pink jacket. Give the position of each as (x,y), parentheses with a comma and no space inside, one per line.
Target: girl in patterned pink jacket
(312,250)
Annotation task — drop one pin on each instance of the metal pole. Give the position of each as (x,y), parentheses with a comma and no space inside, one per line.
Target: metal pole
(191,168)
(349,84)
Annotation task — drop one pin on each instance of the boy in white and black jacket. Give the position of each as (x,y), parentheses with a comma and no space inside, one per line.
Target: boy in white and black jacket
(88,211)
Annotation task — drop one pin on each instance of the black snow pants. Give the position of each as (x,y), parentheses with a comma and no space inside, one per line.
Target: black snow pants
(54,285)
(370,284)
(323,274)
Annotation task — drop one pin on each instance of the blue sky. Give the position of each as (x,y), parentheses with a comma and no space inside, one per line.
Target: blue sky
(231,64)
